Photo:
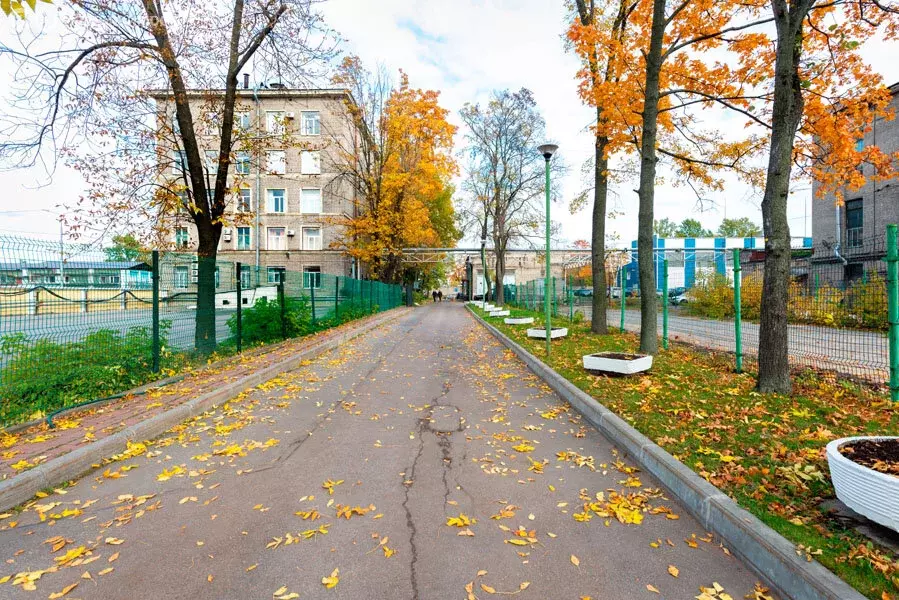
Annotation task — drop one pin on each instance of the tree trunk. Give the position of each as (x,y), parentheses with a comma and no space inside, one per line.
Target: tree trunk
(500,276)
(486,271)
(649,342)
(773,352)
(598,322)
(204,334)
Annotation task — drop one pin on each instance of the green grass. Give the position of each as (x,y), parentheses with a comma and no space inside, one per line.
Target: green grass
(746,443)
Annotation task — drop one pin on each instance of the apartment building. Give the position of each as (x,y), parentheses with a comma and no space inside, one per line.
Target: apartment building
(287,197)
(850,240)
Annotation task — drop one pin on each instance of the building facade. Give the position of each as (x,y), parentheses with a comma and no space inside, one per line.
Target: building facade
(850,239)
(521,267)
(287,197)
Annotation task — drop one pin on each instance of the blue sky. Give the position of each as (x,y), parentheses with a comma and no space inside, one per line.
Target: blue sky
(466,49)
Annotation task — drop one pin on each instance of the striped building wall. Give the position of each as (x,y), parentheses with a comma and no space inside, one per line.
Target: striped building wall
(689,256)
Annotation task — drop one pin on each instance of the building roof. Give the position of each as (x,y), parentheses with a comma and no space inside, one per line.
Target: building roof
(55,264)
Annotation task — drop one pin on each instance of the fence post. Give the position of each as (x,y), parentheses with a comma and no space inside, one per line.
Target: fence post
(555,307)
(622,296)
(371,306)
(893,307)
(570,300)
(281,304)
(337,298)
(665,304)
(239,267)
(738,314)
(154,277)
(312,296)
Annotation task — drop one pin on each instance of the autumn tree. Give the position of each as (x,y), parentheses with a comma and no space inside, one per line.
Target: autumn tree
(505,172)
(822,98)
(17,7)
(92,98)
(742,227)
(398,168)
(595,34)
(126,248)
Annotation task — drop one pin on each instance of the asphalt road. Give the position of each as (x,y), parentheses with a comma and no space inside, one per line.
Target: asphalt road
(863,354)
(420,421)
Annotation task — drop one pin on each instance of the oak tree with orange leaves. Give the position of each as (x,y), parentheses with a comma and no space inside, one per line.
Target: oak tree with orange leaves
(822,98)
(399,170)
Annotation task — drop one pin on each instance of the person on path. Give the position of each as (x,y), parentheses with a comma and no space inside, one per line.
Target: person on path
(440,295)
(434,295)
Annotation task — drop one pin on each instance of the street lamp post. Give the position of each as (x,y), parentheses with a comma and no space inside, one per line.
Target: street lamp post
(547,150)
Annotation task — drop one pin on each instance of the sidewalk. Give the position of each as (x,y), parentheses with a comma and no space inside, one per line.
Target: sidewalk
(27,448)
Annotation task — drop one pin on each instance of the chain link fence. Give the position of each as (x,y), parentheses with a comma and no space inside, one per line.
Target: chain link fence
(78,323)
(837,309)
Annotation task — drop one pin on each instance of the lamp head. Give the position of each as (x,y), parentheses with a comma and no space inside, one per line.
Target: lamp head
(547,150)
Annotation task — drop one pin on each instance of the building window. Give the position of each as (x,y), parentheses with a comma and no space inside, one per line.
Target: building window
(181,277)
(275,201)
(243,238)
(310,163)
(312,277)
(859,144)
(179,162)
(245,276)
(274,121)
(312,238)
(275,274)
(854,223)
(242,163)
(242,120)
(276,162)
(218,278)
(311,200)
(181,237)
(183,203)
(212,160)
(276,239)
(244,200)
(311,122)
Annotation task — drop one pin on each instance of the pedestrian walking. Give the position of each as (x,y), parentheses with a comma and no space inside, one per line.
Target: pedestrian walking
(440,295)
(434,295)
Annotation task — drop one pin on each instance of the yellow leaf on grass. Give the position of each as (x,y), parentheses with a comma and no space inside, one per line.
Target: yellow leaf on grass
(575,561)
(332,580)
(674,571)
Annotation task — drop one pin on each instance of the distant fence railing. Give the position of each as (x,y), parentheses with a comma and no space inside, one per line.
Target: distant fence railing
(837,312)
(85,327)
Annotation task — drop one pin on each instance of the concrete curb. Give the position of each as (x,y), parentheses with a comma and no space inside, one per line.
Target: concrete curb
(769,554)
(23,487)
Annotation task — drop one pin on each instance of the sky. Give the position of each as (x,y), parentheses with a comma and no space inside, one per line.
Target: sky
(466,49)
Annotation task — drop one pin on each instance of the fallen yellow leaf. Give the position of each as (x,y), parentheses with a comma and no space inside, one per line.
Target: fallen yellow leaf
(575,561)
(332,580)
(674,571)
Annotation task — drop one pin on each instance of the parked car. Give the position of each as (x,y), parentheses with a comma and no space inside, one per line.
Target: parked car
(678,291)
(679,299)
(615,291)
(583,292)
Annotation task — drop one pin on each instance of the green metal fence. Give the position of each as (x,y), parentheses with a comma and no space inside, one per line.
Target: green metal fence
(843,316)
(77,323)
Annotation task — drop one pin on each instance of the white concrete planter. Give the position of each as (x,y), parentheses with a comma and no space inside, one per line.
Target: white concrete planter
(499,313)
(615,362)
(518,320)
(554,333)
(866,491)
(487,307)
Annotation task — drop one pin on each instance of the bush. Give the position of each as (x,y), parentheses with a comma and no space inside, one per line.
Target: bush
(712,296)
(262,322)
(41,376)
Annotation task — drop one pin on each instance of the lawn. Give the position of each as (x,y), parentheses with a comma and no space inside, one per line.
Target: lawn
(766,451)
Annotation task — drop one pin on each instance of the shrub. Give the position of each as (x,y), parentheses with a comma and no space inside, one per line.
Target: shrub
(42,375)
(712,296)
